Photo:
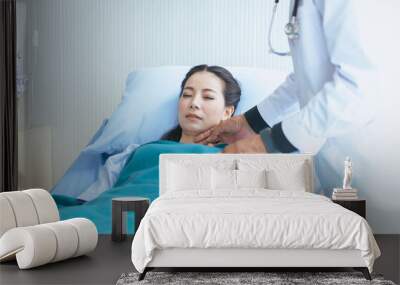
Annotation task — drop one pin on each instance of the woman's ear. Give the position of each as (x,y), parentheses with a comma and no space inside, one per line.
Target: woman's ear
(228,112)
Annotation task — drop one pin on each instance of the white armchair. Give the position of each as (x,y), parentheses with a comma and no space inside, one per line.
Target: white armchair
(31,230)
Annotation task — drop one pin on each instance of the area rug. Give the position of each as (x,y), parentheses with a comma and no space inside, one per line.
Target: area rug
(268,278)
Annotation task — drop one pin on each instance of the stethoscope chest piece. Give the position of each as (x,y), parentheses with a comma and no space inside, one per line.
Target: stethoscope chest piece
(292,30)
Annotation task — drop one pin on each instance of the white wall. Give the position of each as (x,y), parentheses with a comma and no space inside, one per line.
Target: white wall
(79,53)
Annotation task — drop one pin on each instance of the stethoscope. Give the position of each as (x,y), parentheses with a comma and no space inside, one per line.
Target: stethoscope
(291,28)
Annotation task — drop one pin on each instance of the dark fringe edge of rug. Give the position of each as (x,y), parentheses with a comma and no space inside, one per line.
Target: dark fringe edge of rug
(269,278)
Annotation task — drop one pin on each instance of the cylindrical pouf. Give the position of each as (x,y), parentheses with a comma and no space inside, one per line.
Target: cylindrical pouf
(23,208)
(46,207)
(87,234)
(7,218)
(41,244)
(26,208)
(34,245)
(67,240)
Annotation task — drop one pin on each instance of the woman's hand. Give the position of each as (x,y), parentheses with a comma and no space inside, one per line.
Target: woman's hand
(228,131)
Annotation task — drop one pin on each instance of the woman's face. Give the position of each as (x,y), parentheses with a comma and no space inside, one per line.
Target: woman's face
(202,104)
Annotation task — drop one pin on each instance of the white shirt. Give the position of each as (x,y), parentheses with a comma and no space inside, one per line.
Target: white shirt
(332,87)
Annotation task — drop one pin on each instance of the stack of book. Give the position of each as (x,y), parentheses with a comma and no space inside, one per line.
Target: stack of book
(344,194)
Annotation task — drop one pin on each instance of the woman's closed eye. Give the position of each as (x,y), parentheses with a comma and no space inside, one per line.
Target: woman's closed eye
(208,97)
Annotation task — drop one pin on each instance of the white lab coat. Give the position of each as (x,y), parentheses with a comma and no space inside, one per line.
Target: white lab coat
(332,88)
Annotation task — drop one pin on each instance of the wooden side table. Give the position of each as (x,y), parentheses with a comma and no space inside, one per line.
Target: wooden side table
(357,206)
(120,206)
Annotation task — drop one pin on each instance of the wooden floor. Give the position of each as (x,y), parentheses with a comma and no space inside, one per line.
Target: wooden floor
(111,259)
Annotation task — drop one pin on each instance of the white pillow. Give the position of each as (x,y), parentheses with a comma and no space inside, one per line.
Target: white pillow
(290,178)
(225,179)
(183,177)
(251,178)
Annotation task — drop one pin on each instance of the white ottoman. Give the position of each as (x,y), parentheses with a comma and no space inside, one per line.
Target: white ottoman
(31,232)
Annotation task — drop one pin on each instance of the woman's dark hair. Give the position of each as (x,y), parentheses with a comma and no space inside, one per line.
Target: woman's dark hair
(231,92)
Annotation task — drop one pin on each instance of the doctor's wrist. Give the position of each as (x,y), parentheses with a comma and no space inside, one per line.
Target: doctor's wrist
(255,121)
(280,141)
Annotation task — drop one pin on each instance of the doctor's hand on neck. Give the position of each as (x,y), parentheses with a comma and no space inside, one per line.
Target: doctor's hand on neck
(235,132)
(250,144)
(227,131)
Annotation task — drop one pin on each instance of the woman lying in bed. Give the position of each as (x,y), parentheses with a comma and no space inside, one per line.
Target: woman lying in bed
(208,95)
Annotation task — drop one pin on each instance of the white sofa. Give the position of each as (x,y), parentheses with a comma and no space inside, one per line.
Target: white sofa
(31,231)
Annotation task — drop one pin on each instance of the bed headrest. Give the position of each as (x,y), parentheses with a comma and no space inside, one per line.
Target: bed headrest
(293,172)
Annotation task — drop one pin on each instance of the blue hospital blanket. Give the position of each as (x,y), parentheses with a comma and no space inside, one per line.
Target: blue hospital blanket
(139,177)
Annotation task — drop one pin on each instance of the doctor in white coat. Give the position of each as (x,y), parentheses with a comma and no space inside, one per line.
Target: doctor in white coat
(329,93)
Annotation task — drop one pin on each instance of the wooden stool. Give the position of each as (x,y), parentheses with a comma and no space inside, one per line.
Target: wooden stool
(120,206)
